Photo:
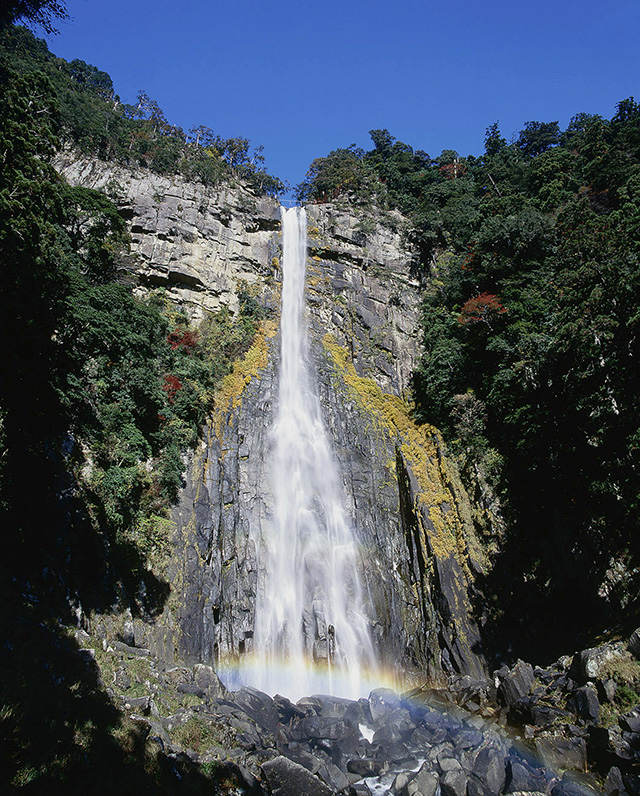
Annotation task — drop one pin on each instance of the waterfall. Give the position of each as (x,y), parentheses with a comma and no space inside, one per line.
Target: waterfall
(311,634)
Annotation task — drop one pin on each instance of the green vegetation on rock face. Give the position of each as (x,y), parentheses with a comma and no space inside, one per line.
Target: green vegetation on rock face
(93,120)
(530,259)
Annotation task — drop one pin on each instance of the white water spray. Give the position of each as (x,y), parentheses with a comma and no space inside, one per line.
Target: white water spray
(311,634)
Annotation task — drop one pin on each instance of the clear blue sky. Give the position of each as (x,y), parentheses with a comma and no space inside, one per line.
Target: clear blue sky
(304,78)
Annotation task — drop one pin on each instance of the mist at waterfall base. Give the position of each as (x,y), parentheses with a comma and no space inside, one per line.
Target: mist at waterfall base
(311,630)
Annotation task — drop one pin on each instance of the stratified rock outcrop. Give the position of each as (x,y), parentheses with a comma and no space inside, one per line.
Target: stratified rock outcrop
(197,243)
(409,510)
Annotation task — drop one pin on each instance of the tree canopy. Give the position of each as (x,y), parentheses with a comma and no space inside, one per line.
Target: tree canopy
(92,118)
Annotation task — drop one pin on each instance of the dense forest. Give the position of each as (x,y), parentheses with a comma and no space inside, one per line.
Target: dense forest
(529,257)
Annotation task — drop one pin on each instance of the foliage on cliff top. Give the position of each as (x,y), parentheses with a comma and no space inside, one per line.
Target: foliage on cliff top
(94,120)
(40,13)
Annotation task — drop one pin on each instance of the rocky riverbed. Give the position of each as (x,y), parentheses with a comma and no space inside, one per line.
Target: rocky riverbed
(565,729)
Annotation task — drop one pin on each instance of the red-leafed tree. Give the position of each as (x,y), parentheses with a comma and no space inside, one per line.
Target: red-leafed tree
(483,308)
(172,386)
(453,170)
(186,339)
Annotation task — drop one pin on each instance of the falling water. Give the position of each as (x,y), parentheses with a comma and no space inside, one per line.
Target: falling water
(311,634)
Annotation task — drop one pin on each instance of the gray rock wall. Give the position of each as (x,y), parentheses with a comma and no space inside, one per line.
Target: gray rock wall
(409,511)
(196,242)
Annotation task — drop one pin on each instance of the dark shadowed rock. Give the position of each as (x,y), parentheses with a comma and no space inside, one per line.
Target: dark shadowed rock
(607,746)
(302,757)
(392,751)
(522,777)
(286,778)
(313,727)
(631,721)
(587,705)
(467,738)
(576,784)
(614,784)
(191,688)
(365,767)
(541,715)
(386,734)
(607,690)
(516,683)
(401,721)
(359,789)
(333,776)
(331,706)
(287,710)
(489,768)
(453,783)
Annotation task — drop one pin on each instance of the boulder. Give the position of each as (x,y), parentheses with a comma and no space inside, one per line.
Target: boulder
(542,715)
(287,710)
(587,705)
(614,784)
(590,663)
(333,776)
(490,769)
(424,783)
(302,757)
(191,688)
(516,683)
(208,681)
(634,644)
(522,777)
(382,702)
(365,766)
(318,727)
(453,783)
(576,784)
(286,778)
(562,753)
(128,635)
(630,721)
(607,690)
(259,706)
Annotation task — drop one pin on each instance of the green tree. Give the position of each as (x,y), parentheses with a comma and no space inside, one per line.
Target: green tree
(41,13)
(343,171)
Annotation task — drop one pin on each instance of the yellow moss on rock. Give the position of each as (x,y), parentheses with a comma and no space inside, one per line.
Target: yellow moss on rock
(392,417)
(229,395)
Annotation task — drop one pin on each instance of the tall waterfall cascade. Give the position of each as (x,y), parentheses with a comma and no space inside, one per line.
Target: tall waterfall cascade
(311,633)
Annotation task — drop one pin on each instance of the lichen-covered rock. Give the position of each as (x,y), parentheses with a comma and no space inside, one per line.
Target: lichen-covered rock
(590,663)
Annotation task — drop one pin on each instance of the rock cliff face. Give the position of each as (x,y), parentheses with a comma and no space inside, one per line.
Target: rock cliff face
(196,243)
(410,513)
